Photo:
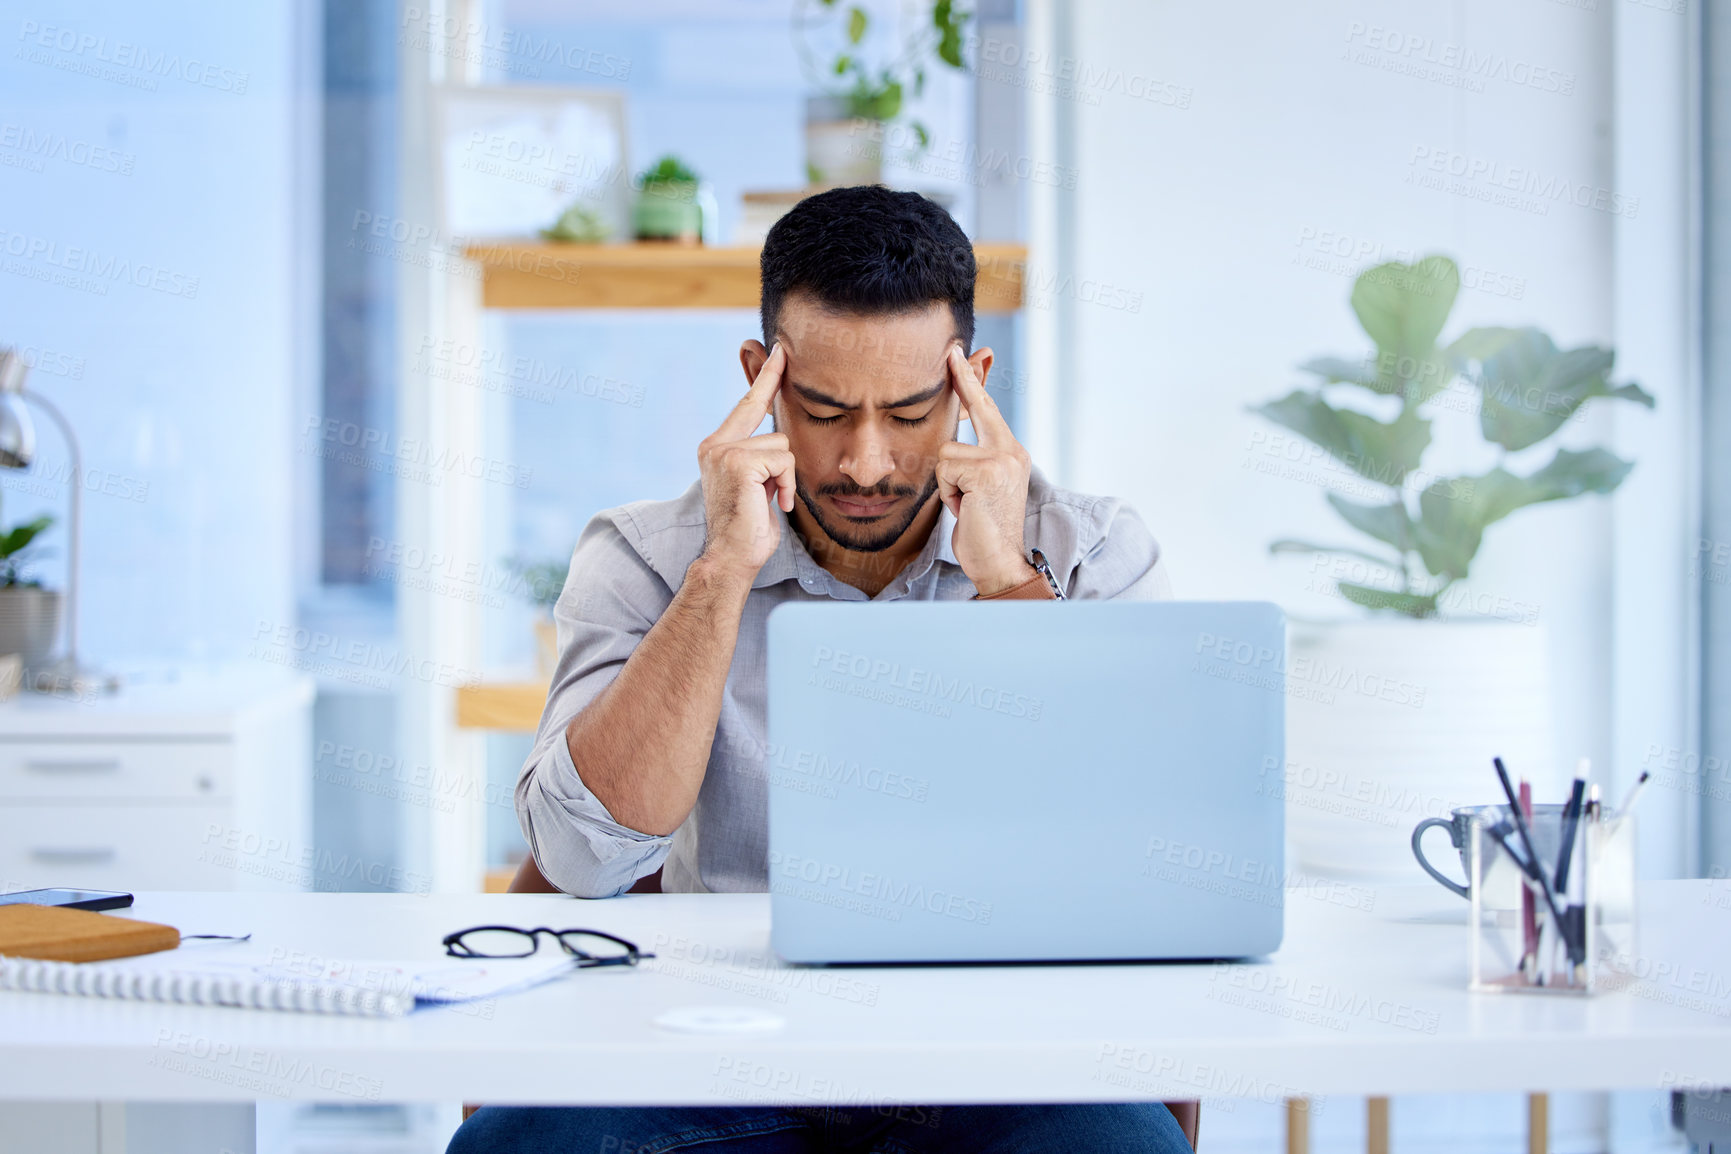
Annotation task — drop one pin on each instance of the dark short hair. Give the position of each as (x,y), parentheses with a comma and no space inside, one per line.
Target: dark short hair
(868,250)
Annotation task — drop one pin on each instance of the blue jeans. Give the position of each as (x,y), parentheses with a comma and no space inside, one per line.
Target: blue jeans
(1145,1127)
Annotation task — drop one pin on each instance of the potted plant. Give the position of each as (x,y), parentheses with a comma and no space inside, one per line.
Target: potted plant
(1394,717)
(29,614)
(668,205)
(540,583)
(578,224)
(845,123)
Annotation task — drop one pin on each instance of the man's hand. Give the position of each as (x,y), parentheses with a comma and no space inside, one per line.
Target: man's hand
(742,474)
(986,487)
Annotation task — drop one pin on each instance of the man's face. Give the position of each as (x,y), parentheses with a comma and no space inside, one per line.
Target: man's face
(866,403)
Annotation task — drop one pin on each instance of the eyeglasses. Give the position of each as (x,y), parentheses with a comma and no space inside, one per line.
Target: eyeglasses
(589,947)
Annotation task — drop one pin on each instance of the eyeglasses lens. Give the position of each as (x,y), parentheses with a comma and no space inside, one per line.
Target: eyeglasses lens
(595,946)
(497,943)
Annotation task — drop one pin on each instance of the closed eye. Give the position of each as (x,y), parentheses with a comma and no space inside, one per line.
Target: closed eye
(908,422)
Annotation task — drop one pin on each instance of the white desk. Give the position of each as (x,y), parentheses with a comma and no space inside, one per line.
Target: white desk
(1367,1002)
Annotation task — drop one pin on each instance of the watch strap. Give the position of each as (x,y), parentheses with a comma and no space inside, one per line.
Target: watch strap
(1040,586)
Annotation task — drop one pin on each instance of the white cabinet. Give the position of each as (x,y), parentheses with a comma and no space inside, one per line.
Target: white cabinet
(195,780)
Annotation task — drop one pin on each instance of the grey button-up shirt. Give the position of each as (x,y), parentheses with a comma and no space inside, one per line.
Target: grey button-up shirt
(624,572)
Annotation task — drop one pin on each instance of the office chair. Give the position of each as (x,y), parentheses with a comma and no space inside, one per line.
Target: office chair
(530,881)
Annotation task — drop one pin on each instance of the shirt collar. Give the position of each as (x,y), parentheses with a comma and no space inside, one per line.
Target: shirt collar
(791,561)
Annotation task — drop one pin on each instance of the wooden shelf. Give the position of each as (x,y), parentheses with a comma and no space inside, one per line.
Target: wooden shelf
(514,706)
(671,276)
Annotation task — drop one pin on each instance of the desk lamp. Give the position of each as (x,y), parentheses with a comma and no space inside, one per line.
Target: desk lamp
(17,451)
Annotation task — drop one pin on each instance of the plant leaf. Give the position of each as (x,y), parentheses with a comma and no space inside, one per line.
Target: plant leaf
(1387,523)
(1381,451)
(1341,371)
(856,25)
(842,64)
(1450,525)
(887,104)
(1528,388)
(1289,545)
(1403,308)
(19,537)
(669,170)
(1633,392)
(1411,604)
(949,25)
(1454,512)
(1478,344)
(1569,474)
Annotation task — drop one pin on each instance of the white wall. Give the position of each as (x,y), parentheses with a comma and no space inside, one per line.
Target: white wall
(182,398)
(1240,220)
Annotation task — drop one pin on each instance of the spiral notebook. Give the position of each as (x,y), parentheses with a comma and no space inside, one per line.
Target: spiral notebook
(220,975)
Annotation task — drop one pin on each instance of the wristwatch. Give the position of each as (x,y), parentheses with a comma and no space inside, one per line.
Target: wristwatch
(1038,560)
(1030,589)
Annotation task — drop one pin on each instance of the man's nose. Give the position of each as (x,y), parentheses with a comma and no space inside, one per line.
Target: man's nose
(868,459)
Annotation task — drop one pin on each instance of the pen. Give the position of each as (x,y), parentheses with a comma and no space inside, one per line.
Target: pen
(1530,971)
(1527,845)
(1571,820)
(1529,916)
(1571,824)
(1634,793)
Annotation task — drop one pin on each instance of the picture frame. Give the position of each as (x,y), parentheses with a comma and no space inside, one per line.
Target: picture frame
(510,159)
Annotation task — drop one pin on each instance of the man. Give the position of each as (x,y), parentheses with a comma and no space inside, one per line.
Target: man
(651,750)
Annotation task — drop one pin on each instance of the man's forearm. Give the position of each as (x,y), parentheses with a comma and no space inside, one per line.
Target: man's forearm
(642,746)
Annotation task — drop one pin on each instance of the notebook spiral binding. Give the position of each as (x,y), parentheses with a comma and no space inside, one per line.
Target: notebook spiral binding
(189,987)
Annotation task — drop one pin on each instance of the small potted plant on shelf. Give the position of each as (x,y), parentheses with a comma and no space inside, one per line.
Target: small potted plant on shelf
(1393,716)
(578,224)
(669,205)
(29,614)
(846,123)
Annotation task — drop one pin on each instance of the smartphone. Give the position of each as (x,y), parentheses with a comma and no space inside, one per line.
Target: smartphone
(75,899)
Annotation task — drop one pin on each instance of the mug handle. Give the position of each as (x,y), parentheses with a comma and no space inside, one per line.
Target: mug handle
(1418,852)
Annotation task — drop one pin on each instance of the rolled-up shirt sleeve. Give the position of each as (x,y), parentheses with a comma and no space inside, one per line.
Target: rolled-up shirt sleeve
(611,599)
(1125,564)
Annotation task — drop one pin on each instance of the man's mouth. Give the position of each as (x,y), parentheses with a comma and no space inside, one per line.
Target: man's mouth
(863,508)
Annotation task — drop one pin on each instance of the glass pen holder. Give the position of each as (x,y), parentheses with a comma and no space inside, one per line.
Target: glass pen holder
(1525,941)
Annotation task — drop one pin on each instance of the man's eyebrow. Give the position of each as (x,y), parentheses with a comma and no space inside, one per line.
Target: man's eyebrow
(817,398)
(812,395)
(920,397)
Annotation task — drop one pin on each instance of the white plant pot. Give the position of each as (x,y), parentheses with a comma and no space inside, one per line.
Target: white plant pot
(29,623)
(1391,721)
(839,149)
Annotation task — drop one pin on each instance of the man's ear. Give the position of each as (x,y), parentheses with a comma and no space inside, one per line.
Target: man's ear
(752,354)
(982,362)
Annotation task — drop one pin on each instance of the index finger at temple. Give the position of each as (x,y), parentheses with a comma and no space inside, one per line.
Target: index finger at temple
(989,424)
(754,406)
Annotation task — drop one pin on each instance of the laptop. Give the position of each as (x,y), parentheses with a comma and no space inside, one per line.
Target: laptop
(1024,781)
